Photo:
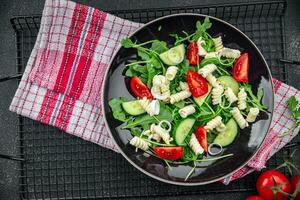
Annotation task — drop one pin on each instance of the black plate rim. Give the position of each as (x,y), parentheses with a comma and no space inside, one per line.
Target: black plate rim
(105,80)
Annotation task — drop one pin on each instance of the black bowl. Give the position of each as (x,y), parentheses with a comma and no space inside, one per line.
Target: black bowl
(249,139)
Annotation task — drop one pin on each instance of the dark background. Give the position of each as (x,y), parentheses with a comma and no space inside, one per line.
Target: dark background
(8,120)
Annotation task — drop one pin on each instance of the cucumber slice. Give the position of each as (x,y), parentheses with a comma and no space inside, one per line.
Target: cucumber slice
(200,100)
(133,108)
(182,130)
(228,81)
(226,138)
(173,56)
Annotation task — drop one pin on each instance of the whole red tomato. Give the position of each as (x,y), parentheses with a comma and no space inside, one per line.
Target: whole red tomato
(295,181)
(270,183)
(254,197)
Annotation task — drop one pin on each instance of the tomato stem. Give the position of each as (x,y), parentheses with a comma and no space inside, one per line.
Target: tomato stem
(289,163)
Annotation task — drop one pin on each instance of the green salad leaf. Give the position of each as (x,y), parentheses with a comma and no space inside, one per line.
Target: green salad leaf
(144,55)
(293,107)
(201,28)
(159,46)
(146,119)
(127,43)
(255,100)
(116,107)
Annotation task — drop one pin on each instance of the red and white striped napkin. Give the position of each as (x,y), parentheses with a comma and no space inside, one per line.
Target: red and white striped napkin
(62,82)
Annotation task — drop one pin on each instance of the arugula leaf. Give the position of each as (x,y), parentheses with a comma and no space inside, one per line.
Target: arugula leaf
(159,46)
(179,104)
(252,99)
(146,119)
(136,132)
(155,62)
(296,113)
(260,94)
(188,154)
(127,43)
(116,107)
(292,103)
(201,28)
(135,70)
(211,137)
(151,73)
(143,54)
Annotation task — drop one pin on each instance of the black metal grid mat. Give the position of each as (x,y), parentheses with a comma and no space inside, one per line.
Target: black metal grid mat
(61,166)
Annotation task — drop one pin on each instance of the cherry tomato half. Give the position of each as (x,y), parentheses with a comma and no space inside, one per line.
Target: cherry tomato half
(139,89)
(192,54)
(241,68)
(197,84)
(267,182)
(201,136)
(169,153)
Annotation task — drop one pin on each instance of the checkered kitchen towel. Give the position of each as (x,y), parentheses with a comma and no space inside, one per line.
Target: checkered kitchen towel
(62,82)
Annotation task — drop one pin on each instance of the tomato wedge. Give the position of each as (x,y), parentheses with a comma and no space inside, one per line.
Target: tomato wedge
(139,89)
(192,54)
(169,153)
(197,84)
(241,68)
(201,136)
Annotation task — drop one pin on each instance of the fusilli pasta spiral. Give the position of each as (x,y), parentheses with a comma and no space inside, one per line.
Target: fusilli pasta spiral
(230,53)
(151,135)
(201,50)
(160,88)
(180,96)
(230,95)
(218,43)
(161,132)
(159,80)
(151,107)
(252,114)
(195,146)
(240,120)
(216,94)
(212,80)
(183,85)
(171,73)
(186,111)
(139,143)
(242,96)
(211,55)
(214,123)
(207,69)
(221,128)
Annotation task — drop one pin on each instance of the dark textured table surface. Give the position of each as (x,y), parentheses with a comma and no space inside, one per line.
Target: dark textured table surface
(8,121)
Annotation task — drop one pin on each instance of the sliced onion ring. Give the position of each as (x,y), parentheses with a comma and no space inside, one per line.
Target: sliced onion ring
(215,153)
(167,123)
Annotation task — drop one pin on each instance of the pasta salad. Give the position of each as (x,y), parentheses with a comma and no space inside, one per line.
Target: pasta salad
(191,98)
